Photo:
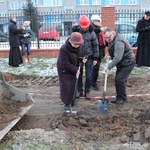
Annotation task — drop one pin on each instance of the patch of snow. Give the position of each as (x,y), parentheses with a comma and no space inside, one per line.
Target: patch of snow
(46,67)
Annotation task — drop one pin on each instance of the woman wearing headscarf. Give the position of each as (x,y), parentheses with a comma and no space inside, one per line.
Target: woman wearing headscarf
(67,66)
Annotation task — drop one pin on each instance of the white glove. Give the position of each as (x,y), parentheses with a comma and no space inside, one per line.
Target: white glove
(25,35)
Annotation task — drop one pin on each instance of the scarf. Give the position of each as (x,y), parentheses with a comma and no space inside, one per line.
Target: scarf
(101,39)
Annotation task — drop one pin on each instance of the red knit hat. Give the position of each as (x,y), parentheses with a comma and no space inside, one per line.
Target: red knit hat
(76,38)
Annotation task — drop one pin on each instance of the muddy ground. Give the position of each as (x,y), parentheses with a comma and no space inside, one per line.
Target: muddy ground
(127,123)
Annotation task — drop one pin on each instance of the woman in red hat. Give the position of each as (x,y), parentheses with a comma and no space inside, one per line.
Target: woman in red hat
(67,67)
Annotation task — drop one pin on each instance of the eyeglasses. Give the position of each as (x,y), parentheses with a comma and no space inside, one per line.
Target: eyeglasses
(108,37)
(96,20)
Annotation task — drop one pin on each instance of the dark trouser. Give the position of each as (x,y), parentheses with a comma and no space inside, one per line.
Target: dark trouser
(24,46)
(95,72)
(96,68)
(88,75)
(122,74)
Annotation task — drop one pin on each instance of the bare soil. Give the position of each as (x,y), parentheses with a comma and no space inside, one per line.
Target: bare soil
(125,123)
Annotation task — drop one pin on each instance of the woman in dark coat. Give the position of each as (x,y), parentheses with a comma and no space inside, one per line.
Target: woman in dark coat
(14,53)
(143,41)
(67,66)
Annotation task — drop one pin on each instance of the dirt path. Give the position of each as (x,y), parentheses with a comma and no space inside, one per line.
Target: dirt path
(122,124)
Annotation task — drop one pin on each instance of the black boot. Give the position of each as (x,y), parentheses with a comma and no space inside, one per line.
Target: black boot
(67,107)
(118,101)
(79,94)
(87,96)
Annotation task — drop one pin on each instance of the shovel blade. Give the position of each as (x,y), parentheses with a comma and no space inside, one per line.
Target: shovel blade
(102,106)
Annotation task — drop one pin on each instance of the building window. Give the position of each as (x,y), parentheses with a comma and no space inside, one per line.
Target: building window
(13,5)
(23,3)
(40,2)
(56,2)
(132,2)
(84,2)
(115,2)
(96,2)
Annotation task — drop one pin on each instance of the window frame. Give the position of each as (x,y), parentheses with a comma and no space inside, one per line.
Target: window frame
(40,3)
(113,2)
(56,3)
(23,3)
(13,5)
(132,2)
(84,2)
(97,2)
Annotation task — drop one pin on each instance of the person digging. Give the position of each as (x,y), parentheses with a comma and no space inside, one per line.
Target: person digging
(68,68)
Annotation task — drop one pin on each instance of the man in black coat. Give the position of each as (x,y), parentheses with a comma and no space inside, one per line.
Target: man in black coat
(90,52)
(143,41)
(123,58)
(14,42)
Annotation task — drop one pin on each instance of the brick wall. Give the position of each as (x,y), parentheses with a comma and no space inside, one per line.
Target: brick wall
(41,53)
(35,53)
(108,16)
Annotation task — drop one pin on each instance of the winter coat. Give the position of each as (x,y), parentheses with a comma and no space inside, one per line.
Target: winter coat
(26,39)
(90,44)
(120,51)
(97,30)
(67,66)
(143,28)
(14,34)
(143,42)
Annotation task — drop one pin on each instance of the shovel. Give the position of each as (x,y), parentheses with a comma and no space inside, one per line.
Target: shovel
(103,103)
(75,89)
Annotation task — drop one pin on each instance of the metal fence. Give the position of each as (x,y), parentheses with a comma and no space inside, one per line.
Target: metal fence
(62,22)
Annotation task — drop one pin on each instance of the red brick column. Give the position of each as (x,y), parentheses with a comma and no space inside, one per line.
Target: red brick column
(108,16)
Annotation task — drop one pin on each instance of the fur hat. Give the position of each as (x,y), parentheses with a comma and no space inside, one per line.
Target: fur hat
(27,23)
(76,38)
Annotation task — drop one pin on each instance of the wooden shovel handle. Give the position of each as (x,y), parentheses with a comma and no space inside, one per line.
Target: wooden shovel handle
(106,74)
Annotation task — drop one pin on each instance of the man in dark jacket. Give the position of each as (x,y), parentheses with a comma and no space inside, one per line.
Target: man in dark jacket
(96,22)
(90,52)
(67,66)
(123,58)
(14,42)
(143,41)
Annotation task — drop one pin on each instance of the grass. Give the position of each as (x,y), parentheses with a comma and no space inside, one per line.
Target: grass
(47,67)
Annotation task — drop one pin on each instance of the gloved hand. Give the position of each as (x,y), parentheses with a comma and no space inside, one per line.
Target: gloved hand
(25,35)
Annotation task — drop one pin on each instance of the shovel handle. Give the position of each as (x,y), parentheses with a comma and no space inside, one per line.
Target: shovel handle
(106,74)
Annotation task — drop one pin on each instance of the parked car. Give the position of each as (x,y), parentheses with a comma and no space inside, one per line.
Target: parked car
(128,31)
(3,37)
(47,32)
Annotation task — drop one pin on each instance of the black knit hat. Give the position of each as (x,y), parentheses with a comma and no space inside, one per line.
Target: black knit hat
(147,13)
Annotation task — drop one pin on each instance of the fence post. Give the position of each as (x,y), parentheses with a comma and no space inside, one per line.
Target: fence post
(108,16)
(37,28)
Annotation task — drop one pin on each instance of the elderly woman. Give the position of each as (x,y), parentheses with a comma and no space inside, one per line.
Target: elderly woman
(67,66)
